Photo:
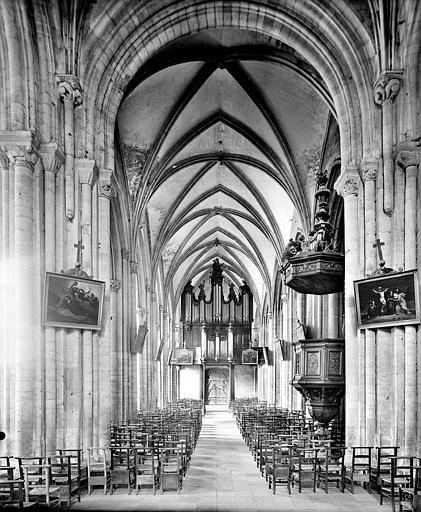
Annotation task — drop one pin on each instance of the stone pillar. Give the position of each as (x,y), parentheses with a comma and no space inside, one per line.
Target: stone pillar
(146,374)
(332,330)
(4,215)
(88,173)
(369,175)
(5,358)
(348,185)
(22,153)
(386,89)
(164,357)
(409,161)
(232,382)
(152,374)
(70,93)
(53,159)
(115,285)
(270,369)
(104,270)
(126,328)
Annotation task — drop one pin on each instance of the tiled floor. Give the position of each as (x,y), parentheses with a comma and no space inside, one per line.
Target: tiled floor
(223,477)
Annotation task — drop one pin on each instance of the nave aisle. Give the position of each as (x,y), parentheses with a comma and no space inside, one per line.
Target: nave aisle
(223,477)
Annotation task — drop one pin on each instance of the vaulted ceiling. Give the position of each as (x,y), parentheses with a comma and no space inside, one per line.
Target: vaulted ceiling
(220,135)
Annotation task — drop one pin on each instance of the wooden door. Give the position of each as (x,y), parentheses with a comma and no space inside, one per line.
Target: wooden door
(217,386)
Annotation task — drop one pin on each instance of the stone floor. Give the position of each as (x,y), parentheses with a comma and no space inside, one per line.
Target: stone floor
(223,477)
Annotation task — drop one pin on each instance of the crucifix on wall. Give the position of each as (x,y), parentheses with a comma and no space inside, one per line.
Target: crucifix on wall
(382,264)
(79,247)
(77,270)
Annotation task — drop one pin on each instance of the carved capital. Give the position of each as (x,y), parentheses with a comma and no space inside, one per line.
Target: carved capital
(153,297)
(52,157)
(148,288)
(69,89)
(21,156)
(104,183)
(88,171)
(348,182)
(141,311)
(370,167)
(125,254)
(387,86)
(20,148)
(115,285)
(133,267)
(407,155)
(104,188)
(4,160)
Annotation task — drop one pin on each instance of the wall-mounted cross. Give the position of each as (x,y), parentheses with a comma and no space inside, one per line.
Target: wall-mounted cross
(79,247)
(379,244)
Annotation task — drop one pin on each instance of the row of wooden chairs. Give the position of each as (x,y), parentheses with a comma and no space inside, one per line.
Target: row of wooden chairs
(297,467)
(152,450)
(277,453)
(54,480)
(137,468)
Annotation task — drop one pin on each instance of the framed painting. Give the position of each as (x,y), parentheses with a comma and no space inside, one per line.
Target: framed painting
(387,300)
(72,302)
(181,356)
(250,356)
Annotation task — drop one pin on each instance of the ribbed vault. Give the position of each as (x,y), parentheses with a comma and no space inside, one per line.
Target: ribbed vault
(220,134)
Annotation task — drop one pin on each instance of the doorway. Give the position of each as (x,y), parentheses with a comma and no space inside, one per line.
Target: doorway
(217,386)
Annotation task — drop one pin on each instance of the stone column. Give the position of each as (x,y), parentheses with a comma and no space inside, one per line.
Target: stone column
(70,93)
(88,173)
(370,167)
(5,357)
(333,315)
(348,185)
(409,161)
(4,214)
(152,381)
(386,89)
(231,382)
(270,369)
(104,270)
(115,286)
(23,153)
(164,357)
(53,159)
(126,328)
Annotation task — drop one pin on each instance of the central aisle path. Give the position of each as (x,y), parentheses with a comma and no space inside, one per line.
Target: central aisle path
(224,477)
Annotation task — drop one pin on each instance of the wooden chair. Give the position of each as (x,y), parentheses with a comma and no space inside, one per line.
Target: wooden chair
(170,469)
(98,468)
(39,486)
(62,475)
(122,467)
(401,474)
(79,465)
(146,468)
(360,470)
(11,488)
(33,467)
(381,467)
(304,465)
(410,497)
(332,468)
(278,470)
